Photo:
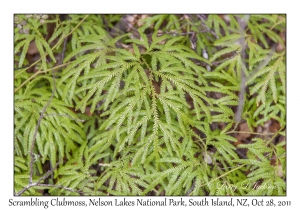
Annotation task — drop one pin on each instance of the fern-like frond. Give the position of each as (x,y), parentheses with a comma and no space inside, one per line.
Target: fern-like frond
(60,130)
(35,38)
(122,179)
(264,178)
(268,82)
(146,104)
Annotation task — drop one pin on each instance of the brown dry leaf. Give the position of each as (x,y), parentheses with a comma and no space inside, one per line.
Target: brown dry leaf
(125,46)
(274,127)
(156,86)
(186,17)
(139,22)
(280,47)
(279,170)
(259,129)
(130,19)
(243,127)
(273,160)
(87,111)
(32,49)
(128,48)
(271,126)
(267,124)
(142,50)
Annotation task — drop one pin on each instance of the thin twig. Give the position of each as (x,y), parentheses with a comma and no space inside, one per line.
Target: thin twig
(203,19)
(24,189)
(238,114)
(130,25)
(61,61)
(216,63)
(31,184)
(36,130)
(244,132)
(47,174)
(268,142)
(179,34)
(192,188)
(62,187)
(36,183)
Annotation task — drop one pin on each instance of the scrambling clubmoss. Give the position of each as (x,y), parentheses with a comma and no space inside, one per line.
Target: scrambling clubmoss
(147,105)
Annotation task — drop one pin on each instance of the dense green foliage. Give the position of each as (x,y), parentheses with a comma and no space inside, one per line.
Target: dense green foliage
(149,109)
